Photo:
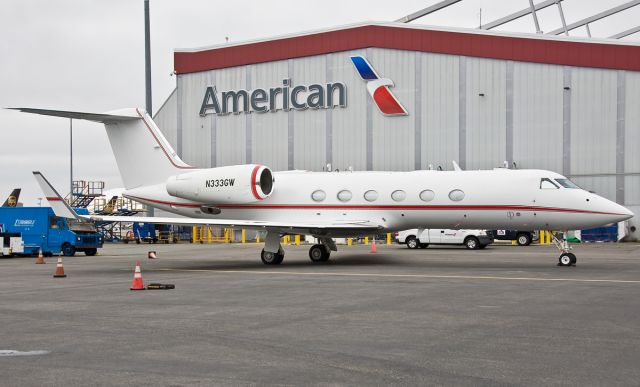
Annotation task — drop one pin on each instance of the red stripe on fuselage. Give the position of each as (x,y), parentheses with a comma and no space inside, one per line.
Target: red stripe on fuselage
(379,207)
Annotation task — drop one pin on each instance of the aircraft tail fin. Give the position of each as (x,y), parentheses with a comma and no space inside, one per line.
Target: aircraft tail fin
(12,200)
(58,204)
(143,154)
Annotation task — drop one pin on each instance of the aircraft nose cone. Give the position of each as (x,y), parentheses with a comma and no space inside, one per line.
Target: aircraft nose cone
(622,213)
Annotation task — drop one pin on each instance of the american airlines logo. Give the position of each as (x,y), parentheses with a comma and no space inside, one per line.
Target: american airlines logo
(378,88)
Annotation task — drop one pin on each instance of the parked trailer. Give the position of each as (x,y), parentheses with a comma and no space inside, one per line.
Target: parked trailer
(41,229)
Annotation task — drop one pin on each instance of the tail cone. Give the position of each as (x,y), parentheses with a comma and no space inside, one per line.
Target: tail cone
(59,269)
(137,283)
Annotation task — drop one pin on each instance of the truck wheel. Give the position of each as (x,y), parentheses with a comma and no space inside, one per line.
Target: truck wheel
(68,250)
(90,252)
(412,242)
(524,239)
(472,243)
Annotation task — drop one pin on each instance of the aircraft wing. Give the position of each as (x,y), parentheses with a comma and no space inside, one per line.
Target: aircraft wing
(302,228)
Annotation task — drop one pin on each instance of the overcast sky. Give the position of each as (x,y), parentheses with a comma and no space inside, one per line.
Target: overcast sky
(88,55)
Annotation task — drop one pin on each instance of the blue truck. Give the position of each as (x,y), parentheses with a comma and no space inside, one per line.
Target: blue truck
(39,228)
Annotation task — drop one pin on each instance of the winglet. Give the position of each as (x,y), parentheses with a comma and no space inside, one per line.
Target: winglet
(59,206)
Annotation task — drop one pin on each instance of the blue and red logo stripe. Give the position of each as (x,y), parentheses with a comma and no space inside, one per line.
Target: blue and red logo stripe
(378,88)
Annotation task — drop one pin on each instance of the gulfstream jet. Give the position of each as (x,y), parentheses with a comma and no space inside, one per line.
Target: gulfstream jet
(333,204)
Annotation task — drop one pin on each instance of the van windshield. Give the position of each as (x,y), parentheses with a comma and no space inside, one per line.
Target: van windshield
(566,183)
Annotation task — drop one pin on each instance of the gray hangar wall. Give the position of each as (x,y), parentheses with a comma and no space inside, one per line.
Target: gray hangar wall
(581,122)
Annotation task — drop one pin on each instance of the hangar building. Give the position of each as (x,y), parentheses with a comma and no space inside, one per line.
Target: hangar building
(481,98)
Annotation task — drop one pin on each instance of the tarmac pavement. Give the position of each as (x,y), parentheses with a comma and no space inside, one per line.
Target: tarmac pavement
(506,315)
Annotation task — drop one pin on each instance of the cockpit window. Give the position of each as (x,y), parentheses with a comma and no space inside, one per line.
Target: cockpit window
(566,183)
(546,183)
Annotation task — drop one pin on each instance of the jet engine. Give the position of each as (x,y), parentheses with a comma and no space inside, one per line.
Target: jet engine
(236,184)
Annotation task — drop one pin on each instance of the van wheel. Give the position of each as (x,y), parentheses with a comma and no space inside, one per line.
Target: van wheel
(412,242)
(524,239)
(68,250)
(472,243)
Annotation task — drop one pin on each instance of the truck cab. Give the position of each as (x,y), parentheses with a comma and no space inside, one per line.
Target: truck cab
(472,239)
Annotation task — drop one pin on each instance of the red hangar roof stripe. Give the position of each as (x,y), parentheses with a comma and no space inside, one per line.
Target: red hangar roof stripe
(597,53)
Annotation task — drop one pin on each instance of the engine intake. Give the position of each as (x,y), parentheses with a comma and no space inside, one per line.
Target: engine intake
(236,184)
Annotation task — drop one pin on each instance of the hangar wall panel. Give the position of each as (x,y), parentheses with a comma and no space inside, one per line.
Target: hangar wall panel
(429,86)
(167,119)
(309,126)
(537,116)
(196,133)
(393,138)
(593,121)
(486,118)
(230,135)
(349,125)
(632,125)
(269,130)
(440,112)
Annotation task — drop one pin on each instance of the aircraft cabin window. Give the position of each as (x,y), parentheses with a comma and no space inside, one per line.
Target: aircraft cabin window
(456,195)
(318,195)
(398,195)
(427,195)
(344,195)
(566,183)
(546,183)
(371,196)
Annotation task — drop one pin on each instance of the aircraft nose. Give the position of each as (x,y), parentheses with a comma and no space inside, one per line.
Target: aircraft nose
(621,213)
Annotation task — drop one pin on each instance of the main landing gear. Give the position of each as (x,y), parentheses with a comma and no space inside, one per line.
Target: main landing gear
(321,252)
(273,253)
(567,258)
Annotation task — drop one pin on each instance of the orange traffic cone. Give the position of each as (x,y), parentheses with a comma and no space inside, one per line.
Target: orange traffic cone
(374,248)
(137,283)
(59,269)
(152,255)
(40,259)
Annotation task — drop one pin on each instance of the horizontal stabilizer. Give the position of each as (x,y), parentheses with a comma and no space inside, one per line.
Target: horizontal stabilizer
(95,117)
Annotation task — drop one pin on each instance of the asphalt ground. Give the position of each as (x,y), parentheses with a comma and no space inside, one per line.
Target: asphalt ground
(506,315)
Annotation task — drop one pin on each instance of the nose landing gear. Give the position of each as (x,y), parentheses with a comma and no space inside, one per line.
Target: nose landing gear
(567,258)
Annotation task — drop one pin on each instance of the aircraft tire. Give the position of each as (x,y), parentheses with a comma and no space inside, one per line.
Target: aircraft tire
(412,242)
(269,258)
(567,259)
(319,253)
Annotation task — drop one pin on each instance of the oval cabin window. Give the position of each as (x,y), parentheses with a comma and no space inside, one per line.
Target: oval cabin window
(398,195)
(344,195)
(371,196)
(318,195)
(456,195)
(427,195)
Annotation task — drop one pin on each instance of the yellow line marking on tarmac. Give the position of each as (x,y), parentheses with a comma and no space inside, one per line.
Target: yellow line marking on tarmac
(380,275)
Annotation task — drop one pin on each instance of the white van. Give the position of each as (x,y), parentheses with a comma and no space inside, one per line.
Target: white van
(472,239)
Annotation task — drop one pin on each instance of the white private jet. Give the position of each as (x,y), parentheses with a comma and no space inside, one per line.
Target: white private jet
(333,204)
